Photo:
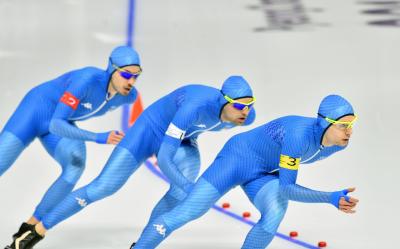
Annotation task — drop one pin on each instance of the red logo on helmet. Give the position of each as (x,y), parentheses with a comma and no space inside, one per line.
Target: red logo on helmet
(70,100)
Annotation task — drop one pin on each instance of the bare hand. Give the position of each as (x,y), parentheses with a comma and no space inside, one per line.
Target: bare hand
(115,137)
(348,206)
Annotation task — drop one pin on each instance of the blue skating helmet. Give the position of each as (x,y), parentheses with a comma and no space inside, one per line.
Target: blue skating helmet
(236,87)
(122,56)
(333,107)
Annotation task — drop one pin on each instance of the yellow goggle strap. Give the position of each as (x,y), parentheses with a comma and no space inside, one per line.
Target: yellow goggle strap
(349,124)
(235,101)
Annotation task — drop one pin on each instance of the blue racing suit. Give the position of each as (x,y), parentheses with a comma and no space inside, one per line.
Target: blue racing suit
(264,162)
(168,128)
(49,112)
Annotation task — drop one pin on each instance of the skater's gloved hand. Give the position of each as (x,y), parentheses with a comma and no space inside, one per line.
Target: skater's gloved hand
(111,137)
(343,202)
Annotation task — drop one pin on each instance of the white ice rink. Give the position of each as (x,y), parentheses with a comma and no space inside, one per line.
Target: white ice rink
(291,67)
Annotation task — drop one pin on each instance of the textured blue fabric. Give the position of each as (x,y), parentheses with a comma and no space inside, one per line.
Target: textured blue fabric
(194,109)
(10,148)
(71,155)
(42,111)
(56,193)
(97,189)
(116,172)
(112,178)
(236,87)
(122,56)
(74,202)
(153,234)
(89,86)
(252,160)
(199,201)
(257,152)
(187,158)
(258,238)
(272,207)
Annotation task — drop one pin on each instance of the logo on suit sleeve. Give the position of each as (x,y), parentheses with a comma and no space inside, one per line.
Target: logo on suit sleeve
(160,229)
(87,105)
(70,100)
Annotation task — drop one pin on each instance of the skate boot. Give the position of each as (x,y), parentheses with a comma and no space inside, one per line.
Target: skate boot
(27,240)
(22,229)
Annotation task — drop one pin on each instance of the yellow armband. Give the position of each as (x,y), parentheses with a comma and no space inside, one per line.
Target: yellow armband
(288,162)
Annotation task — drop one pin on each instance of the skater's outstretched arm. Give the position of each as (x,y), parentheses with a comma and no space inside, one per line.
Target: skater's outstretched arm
(288,170)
